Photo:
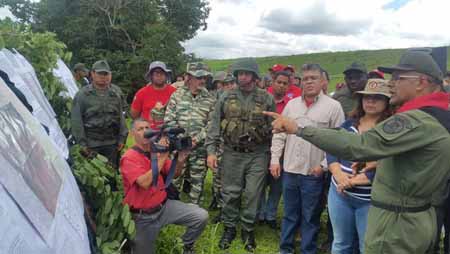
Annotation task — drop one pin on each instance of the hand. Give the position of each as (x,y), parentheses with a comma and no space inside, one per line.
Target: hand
(361,167)
(343,180)
(182,156)
(120,147)
(282,124)
(212,161)
(275,170)
(194,142)
(317,171)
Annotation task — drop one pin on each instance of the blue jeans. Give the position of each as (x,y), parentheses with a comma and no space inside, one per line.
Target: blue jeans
(267,209)
(301,195)
(348,217)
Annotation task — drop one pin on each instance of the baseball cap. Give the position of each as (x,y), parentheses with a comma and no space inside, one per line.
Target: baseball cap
(290,67)
(377,72)
(80,67)
(101,66)
(219,76)
(419,60)
(355,66)
(376,86)
(153,65)
(198,69)
(277,68)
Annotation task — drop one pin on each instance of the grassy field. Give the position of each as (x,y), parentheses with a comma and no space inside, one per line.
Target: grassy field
(334,62)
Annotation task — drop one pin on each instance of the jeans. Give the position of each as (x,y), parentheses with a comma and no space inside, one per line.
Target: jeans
(301,195)
(267,209)
(348,217)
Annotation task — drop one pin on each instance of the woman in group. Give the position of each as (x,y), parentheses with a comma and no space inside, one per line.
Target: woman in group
(349,195)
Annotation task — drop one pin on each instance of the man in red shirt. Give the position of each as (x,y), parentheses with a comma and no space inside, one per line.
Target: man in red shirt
(150,101)
(148,201)
(268,207)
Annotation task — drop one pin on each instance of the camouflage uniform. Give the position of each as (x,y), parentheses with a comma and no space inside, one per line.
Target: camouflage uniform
(192,113)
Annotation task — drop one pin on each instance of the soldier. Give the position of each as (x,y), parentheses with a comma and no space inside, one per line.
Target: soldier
(412,148)
(217,202)
(355,80)
(80,74)
(189,108)
(246,134)
(97,116)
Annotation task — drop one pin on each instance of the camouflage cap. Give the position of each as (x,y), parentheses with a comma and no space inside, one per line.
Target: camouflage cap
(377,86)
(219,76)
(80,67)
(154,65)
(419,60)
(198,70)
(355,66)
(101,66)
(228,78)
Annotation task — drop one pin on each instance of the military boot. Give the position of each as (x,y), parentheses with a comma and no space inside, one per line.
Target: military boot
(228,236)
(214,206)
(248,238)
(188,249)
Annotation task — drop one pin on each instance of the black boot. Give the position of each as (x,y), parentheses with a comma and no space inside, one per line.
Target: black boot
(186,187)
(218,218)
(188,249)
(248,238)
(228,236)
(214,205)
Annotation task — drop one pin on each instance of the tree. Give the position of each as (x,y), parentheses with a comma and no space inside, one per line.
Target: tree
(128,33)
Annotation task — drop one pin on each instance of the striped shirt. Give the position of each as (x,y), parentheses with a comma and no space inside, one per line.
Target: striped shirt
(361,192)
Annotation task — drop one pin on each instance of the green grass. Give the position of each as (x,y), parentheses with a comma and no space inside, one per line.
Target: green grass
(267,239)
(333,62)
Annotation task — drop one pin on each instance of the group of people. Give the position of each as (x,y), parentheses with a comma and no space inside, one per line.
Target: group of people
(376,150)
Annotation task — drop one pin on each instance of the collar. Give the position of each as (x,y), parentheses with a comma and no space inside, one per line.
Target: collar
(438,99)
(315,99)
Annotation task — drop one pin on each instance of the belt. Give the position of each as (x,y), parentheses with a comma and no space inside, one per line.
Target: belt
(242,149)
(400,209)
(149,210)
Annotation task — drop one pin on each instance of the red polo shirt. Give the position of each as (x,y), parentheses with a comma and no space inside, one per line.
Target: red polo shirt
(291,93)
(147,97)
(132,166)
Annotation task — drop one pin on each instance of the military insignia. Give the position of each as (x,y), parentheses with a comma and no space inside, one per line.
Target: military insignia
(396,124)
(372,85)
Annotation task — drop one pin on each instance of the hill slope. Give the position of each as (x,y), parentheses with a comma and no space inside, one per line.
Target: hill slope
(334,62)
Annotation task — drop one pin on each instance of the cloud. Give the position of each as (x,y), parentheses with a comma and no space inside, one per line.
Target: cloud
(4,12)
(314,20)
(227,20)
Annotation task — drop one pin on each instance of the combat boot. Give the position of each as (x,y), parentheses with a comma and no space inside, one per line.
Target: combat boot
(248,238)
(229,233)
(188,249)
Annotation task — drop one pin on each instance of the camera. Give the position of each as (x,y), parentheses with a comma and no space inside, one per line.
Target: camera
(177,142)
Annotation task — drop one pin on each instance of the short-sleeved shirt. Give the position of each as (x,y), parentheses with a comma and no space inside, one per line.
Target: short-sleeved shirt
(132,165)
(147,97)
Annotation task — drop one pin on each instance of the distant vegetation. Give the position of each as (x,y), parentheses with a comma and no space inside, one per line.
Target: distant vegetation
(334,63)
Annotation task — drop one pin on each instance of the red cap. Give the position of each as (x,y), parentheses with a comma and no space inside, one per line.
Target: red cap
(379,73)
(277,68)
(290,67)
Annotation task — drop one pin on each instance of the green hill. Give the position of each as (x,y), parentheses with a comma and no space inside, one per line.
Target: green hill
(333,62)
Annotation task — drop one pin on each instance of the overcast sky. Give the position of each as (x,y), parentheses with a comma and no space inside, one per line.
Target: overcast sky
(238,28)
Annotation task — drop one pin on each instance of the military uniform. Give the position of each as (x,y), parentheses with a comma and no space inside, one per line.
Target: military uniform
(247,134)
(346,99)
(97,117)
(192,113)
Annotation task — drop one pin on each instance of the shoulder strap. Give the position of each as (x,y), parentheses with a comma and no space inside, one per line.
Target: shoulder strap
(441,115)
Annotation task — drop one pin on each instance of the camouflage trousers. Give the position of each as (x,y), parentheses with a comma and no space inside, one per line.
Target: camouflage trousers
(194,171)
(217,179)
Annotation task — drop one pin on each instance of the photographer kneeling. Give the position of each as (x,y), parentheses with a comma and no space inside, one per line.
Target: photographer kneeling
(146,194)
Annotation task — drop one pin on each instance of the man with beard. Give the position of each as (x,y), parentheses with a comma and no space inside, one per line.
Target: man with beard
(150,101)
(246,134)
(355,80)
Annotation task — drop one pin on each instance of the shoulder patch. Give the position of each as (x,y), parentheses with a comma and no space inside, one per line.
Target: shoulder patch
(396,124)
